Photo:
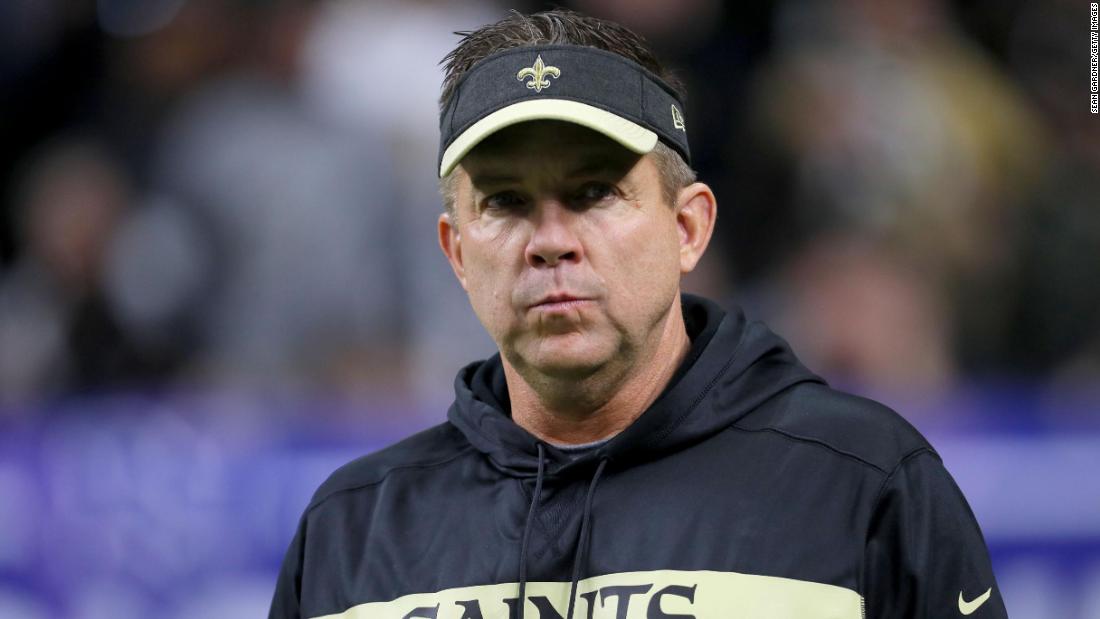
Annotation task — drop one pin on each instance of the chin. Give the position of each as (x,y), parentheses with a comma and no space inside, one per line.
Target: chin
(567,356)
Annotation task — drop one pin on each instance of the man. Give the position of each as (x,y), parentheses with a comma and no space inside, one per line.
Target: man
(631,452)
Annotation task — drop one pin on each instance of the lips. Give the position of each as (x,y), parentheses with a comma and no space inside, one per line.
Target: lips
(559,301)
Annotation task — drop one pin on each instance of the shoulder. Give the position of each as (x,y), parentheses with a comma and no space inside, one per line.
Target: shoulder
(427,450)
(846,425)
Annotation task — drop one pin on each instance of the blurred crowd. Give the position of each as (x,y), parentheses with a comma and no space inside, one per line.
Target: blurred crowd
(239,194)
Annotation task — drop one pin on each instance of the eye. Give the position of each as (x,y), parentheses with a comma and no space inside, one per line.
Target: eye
(593,193)
(504,201)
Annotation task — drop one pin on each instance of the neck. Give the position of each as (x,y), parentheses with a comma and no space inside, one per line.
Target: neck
(603,404)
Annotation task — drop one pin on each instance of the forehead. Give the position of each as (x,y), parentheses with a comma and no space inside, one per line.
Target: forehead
(547,145)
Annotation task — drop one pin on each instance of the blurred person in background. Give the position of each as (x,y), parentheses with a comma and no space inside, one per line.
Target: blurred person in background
(301,294)
(1055,326)
(371,69)
(627,440)
(906,149)
(280,176)
(120,90)
(253,254)
(58,333)
(268,217)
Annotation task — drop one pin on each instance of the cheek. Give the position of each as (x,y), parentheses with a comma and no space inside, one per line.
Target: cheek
(649,253)
(644,266)
(492,259)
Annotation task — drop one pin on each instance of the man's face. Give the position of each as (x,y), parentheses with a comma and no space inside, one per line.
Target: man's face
(569,253)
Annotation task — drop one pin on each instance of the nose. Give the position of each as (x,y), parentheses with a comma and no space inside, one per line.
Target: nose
(553,237)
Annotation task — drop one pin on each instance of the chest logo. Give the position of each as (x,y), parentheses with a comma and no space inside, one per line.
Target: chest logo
(538,74)
(967,608)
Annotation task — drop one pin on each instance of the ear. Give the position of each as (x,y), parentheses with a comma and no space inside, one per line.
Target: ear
(696,210)
(450,241)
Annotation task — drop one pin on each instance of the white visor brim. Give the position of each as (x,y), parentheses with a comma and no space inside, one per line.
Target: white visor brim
(630,135)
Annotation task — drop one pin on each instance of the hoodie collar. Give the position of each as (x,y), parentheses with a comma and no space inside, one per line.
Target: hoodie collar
(732,367)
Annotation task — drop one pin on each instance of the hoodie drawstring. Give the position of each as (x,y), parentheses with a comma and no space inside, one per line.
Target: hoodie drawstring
(582,541)
(527,534)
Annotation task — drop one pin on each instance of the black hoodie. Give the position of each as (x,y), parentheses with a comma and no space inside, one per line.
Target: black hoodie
(748,489)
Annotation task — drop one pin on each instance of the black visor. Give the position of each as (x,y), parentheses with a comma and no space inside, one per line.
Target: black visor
(584,85)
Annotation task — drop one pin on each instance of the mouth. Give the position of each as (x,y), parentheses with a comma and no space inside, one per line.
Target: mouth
(560,302)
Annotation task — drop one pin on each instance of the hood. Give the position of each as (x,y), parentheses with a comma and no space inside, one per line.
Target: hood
(733,367)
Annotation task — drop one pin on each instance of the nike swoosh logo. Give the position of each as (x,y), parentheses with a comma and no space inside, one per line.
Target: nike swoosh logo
(967,608)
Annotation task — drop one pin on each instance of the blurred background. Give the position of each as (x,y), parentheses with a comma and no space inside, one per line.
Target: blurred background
(219,278)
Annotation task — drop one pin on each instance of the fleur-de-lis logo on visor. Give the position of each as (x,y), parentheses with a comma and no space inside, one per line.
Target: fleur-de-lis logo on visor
(538,74)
